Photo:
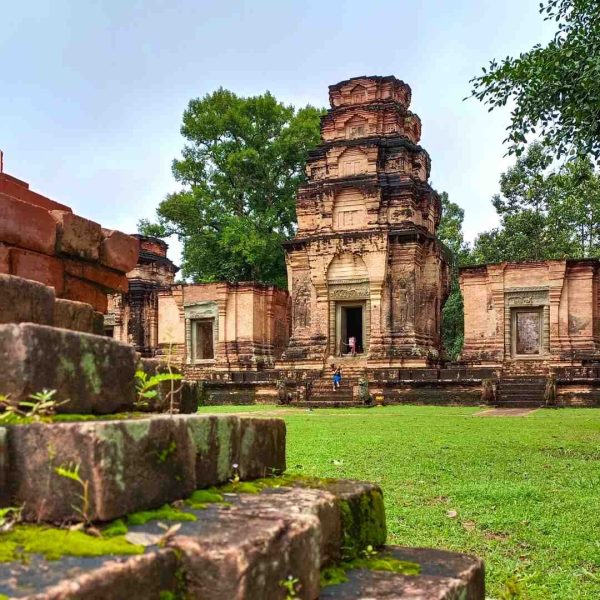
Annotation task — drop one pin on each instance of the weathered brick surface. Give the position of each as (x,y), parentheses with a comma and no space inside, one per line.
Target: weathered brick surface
(262,447)
(119,251)
(96,374)
(106,278)
(4,496)
(18,189)
(77,236)
(444,576)
(83,291)
(4,259)
(48,270)
(22,300)
(26,225)
(76,316)
(138,578)
(247,558)
(256,446)
(130,466)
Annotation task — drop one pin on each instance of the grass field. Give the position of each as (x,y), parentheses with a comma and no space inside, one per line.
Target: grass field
(521,492)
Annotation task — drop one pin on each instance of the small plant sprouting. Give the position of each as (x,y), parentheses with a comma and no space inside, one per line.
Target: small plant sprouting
(369,552)
(292,586)
(236,473)
(164,454)
(147,386)
(71,471)
(41,404)
(8,517)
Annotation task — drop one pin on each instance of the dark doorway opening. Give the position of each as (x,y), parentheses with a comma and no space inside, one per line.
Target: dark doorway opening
(352,326)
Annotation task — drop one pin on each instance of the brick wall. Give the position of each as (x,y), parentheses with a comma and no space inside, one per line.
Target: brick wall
(43,240)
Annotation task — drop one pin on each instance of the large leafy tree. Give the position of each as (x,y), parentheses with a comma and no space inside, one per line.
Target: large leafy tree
(240,169)
(450,233)
(545,212)
(554,88)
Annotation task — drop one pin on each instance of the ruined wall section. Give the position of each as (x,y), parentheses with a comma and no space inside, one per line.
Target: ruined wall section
(43,240)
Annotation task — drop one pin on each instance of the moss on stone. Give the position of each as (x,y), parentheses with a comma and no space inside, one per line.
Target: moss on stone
(165,513)
(333,576)
(288,480)
(200,498)
(336,574)
(363,523)
(117,527)
(53,543)
(242,487)
(90,370)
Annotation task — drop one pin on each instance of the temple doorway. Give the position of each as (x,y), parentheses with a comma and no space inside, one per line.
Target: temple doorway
(526,331)
(350,324)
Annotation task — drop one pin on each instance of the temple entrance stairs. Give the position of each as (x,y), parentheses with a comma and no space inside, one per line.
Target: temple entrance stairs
(321,393)
(522,384)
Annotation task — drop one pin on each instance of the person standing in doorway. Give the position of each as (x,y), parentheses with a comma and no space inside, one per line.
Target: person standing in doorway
(352,345)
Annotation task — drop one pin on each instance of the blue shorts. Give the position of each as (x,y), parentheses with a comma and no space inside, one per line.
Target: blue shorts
(337,378)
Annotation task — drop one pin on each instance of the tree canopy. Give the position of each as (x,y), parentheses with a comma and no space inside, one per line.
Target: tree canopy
(240,169)
(554,88)
(545,212)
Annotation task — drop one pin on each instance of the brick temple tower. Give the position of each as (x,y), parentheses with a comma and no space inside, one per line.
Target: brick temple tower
(365,263)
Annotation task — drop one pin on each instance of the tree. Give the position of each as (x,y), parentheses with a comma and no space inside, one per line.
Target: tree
(554,88)
(240,170)
(450,233)
(545,212)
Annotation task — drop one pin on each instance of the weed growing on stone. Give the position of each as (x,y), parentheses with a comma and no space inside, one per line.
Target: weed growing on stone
(40,405)
(164,454)
(291,585)
(71,471)
(147,387)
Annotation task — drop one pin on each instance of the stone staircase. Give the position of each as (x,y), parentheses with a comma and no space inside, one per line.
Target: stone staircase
(522,384)
(107,505)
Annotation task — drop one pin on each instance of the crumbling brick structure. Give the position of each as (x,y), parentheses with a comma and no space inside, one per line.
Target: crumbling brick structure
(43,240)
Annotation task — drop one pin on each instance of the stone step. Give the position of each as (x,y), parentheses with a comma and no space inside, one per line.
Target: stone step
(327,404)
(133,465)
(243,548)
(92,373)
(519,403)
(443,576)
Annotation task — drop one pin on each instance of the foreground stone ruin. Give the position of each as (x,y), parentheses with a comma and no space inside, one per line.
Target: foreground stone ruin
(100,501)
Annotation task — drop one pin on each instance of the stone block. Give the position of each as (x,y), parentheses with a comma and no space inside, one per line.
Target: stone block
(217,441)
(108,279)
(4,259)
(162,402)
(77,236)
(73,315)
(247,557)
(38,267)
(26,225)
(96,374)
(129,466)
(83,291)
(290,502)
(444,576)
(119,251)
(4,496)
(262,447)
(25,301)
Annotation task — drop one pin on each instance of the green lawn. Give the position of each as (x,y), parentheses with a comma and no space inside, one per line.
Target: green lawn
(525,490)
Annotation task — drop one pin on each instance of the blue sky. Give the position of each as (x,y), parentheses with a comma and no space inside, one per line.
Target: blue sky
(92,91)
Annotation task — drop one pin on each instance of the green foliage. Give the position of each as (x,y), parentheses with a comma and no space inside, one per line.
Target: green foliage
(164,513)
(53,543)
(71,471)
(546,212)
(40,405)
(554,88)
(147,385)
(117,527)
(450,233)
(291,586)
(240,169)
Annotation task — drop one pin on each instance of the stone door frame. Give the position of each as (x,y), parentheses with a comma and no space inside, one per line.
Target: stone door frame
(339,306)
(348,293)
(532,299)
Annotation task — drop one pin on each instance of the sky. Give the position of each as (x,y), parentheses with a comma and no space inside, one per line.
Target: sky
(92,91)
